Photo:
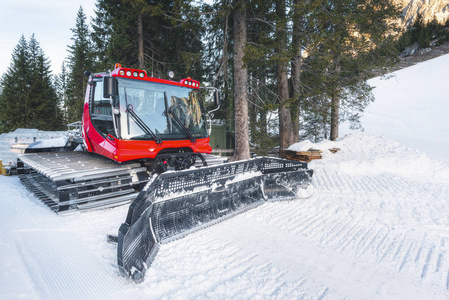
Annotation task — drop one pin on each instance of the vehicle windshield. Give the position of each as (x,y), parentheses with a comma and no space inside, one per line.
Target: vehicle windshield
(146,100)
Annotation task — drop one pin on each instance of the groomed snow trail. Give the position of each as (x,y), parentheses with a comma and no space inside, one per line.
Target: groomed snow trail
(61,269)
(44,256)
(372,230)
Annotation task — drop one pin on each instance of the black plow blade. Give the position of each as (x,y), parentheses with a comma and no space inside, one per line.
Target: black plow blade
(174,204)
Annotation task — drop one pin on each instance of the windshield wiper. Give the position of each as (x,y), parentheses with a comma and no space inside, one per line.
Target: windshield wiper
(178,121)
(142,124)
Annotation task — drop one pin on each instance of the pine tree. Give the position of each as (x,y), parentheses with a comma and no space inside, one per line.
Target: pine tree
(79,61)
(100,36)
(15,96)
(157,37)
(286,135)
(218,56)
(350,38)
(44,101)
(28,98)
(262,66)
(299,34)
(61,91)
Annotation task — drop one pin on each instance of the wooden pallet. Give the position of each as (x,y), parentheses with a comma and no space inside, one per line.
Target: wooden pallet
(306,156)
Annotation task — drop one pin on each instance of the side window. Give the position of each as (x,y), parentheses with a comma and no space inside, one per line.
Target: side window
(100,105)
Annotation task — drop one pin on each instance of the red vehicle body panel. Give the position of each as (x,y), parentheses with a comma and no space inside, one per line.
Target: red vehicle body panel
(127,150)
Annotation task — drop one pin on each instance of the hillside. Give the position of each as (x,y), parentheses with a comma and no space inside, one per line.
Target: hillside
(410,107)
(438,9)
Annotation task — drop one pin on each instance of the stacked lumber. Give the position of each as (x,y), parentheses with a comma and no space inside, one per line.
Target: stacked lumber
(306,156)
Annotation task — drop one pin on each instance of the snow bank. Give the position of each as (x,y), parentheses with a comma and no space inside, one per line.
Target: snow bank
(362,154)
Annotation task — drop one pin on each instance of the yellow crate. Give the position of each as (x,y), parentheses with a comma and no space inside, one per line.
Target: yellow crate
(3,169)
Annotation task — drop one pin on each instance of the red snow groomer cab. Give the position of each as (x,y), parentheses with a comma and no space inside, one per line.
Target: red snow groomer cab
(129,116)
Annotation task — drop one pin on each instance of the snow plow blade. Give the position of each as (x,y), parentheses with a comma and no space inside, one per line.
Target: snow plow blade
(174,204)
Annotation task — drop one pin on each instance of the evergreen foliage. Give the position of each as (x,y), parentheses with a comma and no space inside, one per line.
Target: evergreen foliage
(218,55)
(348,40)
(62,82)
(333,48)
(100,36)
(79,60)
(28,97)
(171,36)
(424,34)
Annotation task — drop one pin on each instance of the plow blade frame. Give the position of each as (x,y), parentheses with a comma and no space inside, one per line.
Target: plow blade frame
(174,204)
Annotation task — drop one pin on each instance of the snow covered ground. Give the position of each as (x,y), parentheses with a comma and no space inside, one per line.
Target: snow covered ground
(377,227)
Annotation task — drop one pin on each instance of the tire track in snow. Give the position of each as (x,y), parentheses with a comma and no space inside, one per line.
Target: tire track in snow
(386,250)
(361,225)
(369,242)
(447,280)
(400,246)
(347,237)
(347,232)
(359,236)
(61,269)
(405,257)
(427,262)
(325,237)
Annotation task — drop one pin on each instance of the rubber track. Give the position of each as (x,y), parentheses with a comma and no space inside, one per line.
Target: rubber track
(67,181)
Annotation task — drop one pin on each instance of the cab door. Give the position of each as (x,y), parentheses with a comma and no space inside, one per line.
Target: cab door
(101,130)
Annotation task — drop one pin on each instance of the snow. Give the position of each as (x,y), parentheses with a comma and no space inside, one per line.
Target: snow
(376,226)
(21,137)
(55,142)
(411,107)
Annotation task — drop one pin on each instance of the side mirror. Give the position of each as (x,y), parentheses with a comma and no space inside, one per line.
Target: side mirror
(109,87)
(217,98)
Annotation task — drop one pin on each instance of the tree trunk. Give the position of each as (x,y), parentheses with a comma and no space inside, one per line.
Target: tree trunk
(240,84)
(296,65)
(285,119)
(335,110)
(253,110)
(141,59)
(263,124)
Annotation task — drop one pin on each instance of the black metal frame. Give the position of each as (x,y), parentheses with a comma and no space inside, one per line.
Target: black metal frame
(174,204)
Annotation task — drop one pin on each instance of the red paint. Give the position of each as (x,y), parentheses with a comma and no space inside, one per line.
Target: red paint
(127,150)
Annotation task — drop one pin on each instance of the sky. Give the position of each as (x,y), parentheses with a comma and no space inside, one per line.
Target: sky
(49,20)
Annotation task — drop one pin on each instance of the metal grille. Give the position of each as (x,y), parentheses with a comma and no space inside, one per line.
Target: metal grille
(71,180)
(174,204)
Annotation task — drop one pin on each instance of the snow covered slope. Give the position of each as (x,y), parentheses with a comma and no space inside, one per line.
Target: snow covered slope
(411,107)
(377,227)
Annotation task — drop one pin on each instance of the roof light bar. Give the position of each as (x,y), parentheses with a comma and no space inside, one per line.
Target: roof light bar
(187,82)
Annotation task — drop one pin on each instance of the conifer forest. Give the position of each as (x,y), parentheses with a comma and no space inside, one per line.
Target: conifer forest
(288,70)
